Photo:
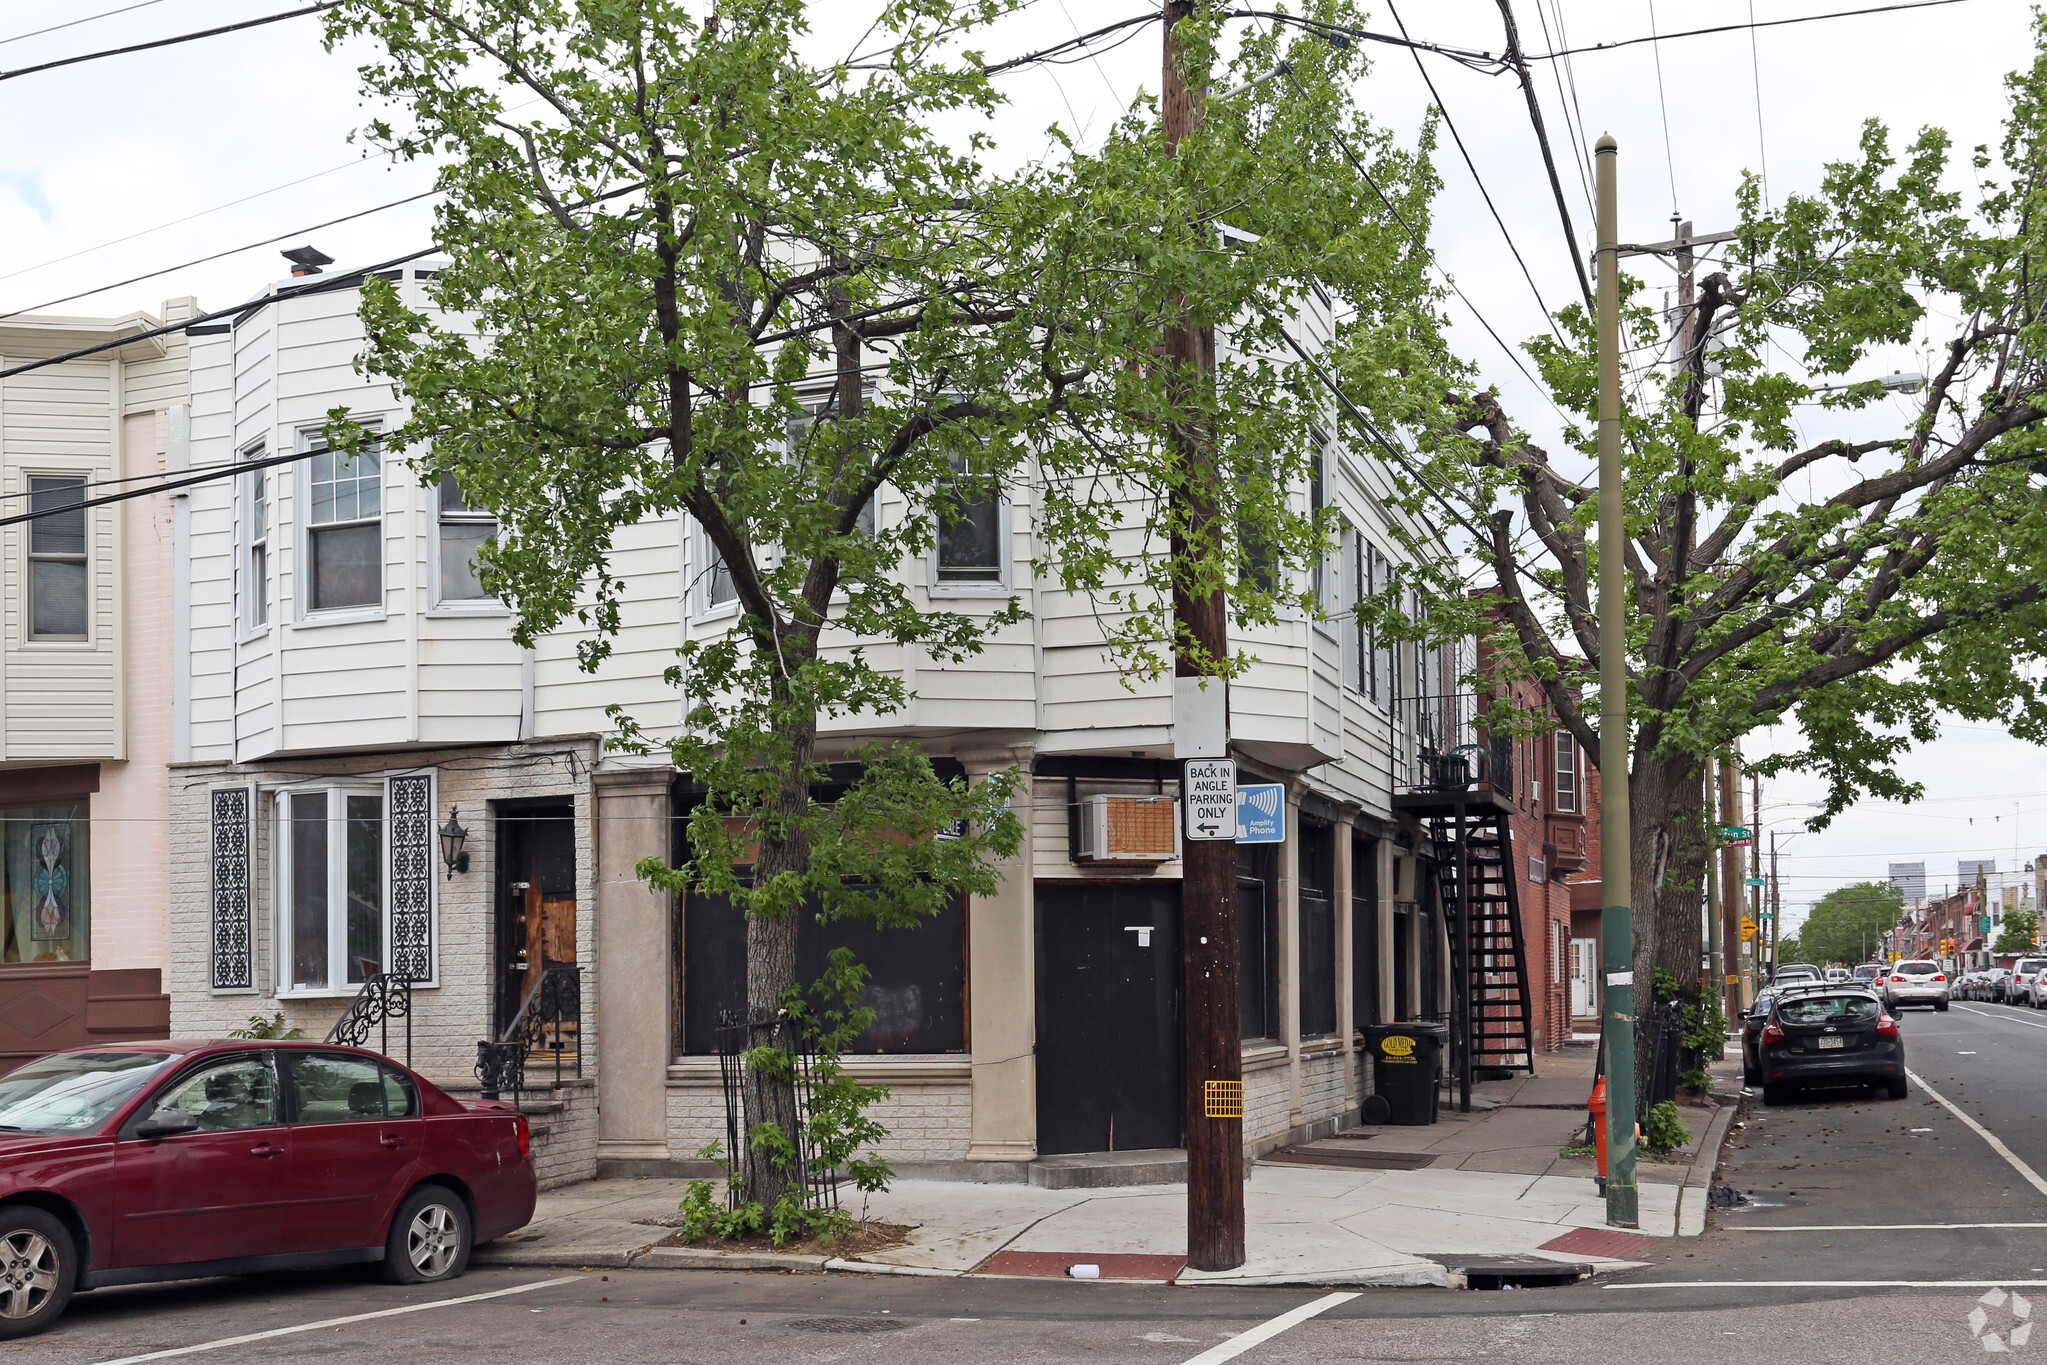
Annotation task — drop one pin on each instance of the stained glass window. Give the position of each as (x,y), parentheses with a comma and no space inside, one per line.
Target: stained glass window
(45,884)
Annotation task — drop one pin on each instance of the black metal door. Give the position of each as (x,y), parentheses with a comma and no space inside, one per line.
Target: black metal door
(1109,1044)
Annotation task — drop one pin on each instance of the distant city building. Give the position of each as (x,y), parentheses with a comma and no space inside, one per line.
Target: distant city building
(1910,879)
(1968,869)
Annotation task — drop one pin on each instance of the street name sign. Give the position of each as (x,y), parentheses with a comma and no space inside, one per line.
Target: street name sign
(1208,793)
(1736,832)
(1261,813)
(1755,881)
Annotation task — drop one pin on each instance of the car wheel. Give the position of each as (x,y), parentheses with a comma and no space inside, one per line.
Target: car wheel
(1895,1087)
(38,1269)
(1940,1005)
(430,1237)
(1777,1094)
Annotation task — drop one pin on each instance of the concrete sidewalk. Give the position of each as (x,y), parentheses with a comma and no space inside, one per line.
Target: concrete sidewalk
(1486,1187)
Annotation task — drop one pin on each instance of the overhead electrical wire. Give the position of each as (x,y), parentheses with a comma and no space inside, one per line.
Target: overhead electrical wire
(1663,109)
(171,41)
(1756,77)
(1737,28)
(1549,161)
(74,23)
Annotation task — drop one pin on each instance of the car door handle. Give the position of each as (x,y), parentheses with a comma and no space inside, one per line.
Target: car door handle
(393,1140)
(266,1149)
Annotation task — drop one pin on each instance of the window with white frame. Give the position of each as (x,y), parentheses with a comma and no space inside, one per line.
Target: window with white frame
(256,551)
(1380,680)
(464,529)
(331,886)
(1564,795)
(715,587)
(815,410)
(1318,577)
(969,529)
(345,529)
(59,596)
(1348,578)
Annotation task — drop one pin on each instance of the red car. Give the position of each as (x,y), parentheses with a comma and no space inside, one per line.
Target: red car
(165,1161)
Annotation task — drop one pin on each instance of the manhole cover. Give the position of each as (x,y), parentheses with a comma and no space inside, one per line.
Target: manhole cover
(845,1326)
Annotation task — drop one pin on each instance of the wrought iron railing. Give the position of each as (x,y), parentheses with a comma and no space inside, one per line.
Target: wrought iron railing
(746,1106)
(549,1025)
(384,997)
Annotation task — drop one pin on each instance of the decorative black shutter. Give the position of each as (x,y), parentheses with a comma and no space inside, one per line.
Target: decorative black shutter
(410,801)
(234,942)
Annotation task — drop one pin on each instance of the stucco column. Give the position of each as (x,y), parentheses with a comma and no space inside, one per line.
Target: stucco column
(1386,963)
(1290,954)
(1346,1007)
(1002,988)
(635,974)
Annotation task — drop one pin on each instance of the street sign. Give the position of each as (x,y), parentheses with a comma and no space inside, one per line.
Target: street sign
(1755,881)
(1742,841)
(1261,813)
(1208,793)
(1749,928)
(1736,832)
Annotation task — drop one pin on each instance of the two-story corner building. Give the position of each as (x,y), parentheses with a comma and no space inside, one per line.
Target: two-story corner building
(353,694)
(85,666)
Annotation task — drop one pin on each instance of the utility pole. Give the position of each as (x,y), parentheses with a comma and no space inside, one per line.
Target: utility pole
(1715,939)
(1730,886)
(1776,898)
(1617,927)
(1208,886)
(1755,822)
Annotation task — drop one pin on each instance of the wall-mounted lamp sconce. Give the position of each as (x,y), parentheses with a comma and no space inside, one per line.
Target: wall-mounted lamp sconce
(453,836)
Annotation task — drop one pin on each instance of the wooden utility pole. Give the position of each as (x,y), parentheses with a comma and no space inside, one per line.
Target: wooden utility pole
(1617,926)
(1715,939)
(1731,892)
(1755,823)
(1208,886)
(1776,897)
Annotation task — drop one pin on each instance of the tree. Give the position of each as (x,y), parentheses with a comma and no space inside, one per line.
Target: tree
(650,272)
(2019,933)
(1803,544)
(1847,924)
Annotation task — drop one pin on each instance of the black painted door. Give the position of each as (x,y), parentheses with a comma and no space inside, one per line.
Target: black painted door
(1109,1043)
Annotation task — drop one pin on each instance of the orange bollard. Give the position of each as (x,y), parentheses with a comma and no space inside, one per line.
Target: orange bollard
(1597,1104)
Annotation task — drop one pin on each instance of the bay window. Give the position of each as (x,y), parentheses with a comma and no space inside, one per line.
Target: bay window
(58,595)
(464,530)
(1564,795)
(969,530)
(256,562)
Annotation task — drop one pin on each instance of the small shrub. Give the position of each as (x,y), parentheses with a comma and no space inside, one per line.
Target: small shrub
(269,1029)
(1663,1131)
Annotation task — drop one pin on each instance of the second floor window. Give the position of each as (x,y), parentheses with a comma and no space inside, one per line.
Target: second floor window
(257,589)
(57,580)
(465,529)
(970,530)
(1565,795)
(345,531)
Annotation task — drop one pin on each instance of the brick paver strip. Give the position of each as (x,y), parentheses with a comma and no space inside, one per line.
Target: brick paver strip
(1618,1246)
(1114,1267)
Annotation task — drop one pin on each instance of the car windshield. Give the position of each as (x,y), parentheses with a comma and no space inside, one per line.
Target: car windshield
(1916,969)
(74,1092)
(1828,1009)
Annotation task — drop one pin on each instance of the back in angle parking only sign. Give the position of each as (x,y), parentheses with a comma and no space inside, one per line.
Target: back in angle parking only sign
(1208,793)
(1261,813)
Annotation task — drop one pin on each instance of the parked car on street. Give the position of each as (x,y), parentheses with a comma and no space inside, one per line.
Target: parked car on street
(142,1162)
(1869,973)
(2024,984)
(1751,1029)
(1829,1037)
(1838,975)
(1794,971)
(1916,982)
(1997,985)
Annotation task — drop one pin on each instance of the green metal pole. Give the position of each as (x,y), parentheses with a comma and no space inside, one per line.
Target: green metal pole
(1623,1203)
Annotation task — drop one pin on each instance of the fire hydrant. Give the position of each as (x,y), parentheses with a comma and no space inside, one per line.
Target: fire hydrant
(1597,1104)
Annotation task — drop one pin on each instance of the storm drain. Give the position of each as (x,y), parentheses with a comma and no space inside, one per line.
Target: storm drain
(1515,1272)
(1347,1156)
(846,1326)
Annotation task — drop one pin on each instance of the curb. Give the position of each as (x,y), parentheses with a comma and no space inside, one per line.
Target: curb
(839,1265)
(690,1258)
(1708,1159)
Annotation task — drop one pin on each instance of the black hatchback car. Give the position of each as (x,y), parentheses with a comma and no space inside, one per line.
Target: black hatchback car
(1829,1036)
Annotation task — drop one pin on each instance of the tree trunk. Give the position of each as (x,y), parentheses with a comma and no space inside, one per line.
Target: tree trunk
(771,963)
(1669,854)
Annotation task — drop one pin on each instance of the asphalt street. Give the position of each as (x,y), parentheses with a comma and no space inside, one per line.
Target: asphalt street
(1878,1228)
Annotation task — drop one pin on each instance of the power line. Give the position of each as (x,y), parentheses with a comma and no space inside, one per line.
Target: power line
(74,23)
(1663,109)
(1542,139)
(168,42)
(166,486)
(1736,28)
(1756,77)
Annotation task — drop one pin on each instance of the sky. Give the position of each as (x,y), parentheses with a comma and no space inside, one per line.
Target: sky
(153,160)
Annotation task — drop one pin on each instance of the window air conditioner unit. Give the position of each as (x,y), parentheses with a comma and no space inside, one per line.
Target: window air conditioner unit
(1129,829)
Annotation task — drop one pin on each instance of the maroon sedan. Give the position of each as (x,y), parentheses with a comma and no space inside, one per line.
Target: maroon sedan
(168,1161)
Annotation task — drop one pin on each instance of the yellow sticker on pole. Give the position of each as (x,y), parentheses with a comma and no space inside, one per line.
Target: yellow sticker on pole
(1222,1099)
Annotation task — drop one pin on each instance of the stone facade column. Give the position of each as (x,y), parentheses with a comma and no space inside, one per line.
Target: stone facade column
(635,973)
(1290,954)
(1002,988)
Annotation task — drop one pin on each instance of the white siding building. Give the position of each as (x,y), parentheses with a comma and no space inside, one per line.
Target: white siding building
(350,691)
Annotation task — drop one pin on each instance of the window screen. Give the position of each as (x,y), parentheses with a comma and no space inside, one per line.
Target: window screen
(57,580)
(345,538)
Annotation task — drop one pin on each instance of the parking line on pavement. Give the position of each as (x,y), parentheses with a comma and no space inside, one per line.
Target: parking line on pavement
(1244,1341)
(2032,1176)
(1872,1227)
(1831,1284)
(343,1322)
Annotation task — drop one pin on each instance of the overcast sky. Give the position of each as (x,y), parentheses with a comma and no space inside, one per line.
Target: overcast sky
(129,165)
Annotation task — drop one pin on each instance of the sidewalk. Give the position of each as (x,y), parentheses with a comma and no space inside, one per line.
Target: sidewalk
(1485,1187)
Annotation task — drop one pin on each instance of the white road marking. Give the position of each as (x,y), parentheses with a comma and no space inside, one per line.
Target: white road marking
(1873,1227)
(2029,1023)
(342,1322)
(1264,1331)
(2032,1176)
(1825,1284)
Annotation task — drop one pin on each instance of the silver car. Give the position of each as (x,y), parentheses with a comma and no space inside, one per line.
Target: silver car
(1916,982)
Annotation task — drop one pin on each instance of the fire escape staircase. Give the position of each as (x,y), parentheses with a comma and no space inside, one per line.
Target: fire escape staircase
(1491,1013)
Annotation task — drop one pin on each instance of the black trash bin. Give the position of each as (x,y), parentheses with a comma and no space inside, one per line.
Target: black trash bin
(1405,1060)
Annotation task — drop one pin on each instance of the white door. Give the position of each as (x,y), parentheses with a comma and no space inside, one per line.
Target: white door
(1584,978)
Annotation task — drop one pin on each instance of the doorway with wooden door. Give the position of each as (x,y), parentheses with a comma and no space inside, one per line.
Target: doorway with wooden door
(536,900)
